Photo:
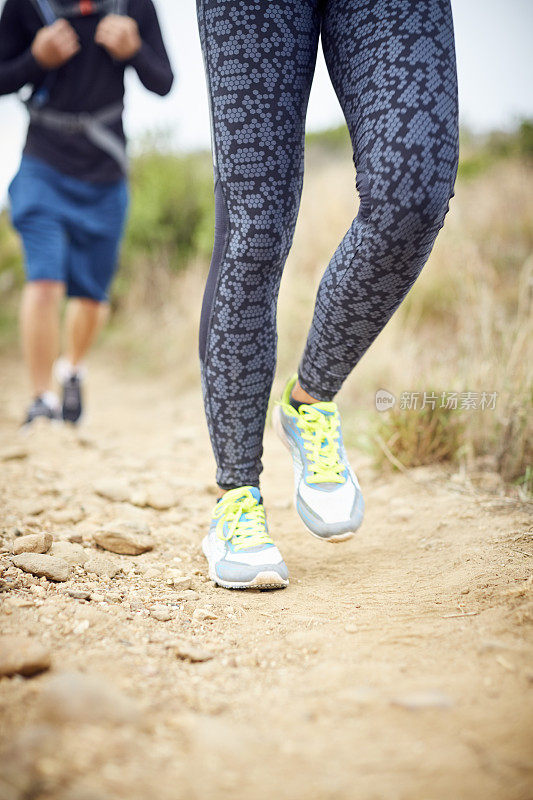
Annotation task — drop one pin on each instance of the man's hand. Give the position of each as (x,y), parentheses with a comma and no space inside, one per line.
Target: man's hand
(55,44)
(119,36)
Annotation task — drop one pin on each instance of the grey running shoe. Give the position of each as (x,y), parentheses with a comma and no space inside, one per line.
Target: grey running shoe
(72,400)
(71,380)
(238,547)
(41,409)
(327,494)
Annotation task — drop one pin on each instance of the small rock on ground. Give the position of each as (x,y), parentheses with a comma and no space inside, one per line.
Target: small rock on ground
(152,572)
(188,594)
(138,497)
(81,627)
(79,594)
(101,566)
(33,543)
(161,613)
(132,525)
(160,498)
(22,656)
(112,489)
(72,553)
(44,566)
(201,614)
(123,539)
(182,583)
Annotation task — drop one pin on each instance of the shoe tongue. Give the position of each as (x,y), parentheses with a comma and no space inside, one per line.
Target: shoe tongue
(254,491)
(256,494)
(325,408)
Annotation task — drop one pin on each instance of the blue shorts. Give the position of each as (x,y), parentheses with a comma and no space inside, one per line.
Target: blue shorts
(71,229)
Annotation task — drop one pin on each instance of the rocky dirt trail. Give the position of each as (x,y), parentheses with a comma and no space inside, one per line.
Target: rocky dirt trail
(395,666)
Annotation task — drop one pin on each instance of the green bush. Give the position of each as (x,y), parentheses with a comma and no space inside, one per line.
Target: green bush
(331,140)
(11,271)
(171,208)
(479,153)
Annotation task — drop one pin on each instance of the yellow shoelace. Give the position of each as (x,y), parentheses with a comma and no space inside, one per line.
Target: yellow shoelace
(320,433)
(245,518)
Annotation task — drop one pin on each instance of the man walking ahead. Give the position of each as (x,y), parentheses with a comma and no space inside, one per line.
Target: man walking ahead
(69,198)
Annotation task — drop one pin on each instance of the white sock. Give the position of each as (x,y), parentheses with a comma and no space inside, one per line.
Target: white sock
(51,400)
(64,370)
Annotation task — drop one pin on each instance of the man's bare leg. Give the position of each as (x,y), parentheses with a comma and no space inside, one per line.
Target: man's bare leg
(84,319)
(39,323)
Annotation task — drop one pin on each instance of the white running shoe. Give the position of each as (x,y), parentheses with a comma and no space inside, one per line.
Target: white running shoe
(238,547)
(327,493)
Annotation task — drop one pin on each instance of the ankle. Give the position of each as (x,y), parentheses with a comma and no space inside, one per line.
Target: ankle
(300,397)
(65,369)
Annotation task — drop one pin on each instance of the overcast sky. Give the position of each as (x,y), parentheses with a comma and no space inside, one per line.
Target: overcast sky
(493,39)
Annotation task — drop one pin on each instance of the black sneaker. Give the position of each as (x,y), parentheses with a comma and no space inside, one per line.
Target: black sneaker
(72,400)
(39,408)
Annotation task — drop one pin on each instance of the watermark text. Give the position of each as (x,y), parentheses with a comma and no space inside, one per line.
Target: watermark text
(451,401)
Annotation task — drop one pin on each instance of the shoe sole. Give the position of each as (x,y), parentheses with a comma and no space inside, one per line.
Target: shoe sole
(280,430)
(82,419)
(27,427)
(263,580)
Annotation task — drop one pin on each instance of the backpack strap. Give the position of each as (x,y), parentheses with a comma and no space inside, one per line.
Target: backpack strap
(50,10)
(48,17)
(45,11)
(94,126)
(120,7)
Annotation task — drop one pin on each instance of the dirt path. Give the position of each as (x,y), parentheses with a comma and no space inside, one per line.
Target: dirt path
(395,666)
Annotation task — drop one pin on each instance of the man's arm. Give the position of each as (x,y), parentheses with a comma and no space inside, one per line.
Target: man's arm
(26,59)
(141,45)
(17,62)
(151,62)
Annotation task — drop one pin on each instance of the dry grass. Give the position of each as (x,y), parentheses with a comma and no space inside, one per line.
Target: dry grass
(415,438)
(466,326)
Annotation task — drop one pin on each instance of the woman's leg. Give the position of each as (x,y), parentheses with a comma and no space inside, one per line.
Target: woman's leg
(259,59)
(392,65)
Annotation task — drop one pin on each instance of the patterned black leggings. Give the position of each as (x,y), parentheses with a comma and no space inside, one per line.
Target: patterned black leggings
(392,64)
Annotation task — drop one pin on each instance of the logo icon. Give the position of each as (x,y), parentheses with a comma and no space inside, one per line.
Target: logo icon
(384,400)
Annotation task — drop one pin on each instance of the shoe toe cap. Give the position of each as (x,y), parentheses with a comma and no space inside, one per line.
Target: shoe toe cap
(325,517)
(237,572)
